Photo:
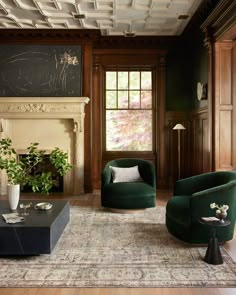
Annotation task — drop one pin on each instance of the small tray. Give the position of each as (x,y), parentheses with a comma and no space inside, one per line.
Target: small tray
(43,206)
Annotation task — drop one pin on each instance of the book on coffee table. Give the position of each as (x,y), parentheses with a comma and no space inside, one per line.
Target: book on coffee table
(12,218)
(209,219)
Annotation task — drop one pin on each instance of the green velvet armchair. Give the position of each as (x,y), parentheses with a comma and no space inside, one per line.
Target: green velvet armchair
(129,195)
(191,201)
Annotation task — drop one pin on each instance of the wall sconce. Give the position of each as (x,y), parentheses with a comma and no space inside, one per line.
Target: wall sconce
(179,127)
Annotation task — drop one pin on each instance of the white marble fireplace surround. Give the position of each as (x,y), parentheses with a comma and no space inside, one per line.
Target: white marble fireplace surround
(52,122)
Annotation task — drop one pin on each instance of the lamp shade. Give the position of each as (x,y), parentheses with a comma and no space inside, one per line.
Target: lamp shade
(179,127)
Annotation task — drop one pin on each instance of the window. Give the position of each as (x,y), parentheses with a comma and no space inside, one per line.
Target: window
(128,110)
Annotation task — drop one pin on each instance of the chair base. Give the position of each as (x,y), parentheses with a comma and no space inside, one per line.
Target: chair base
(127,211)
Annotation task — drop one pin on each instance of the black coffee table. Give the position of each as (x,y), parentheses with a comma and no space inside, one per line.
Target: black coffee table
(40,231)
(213,254)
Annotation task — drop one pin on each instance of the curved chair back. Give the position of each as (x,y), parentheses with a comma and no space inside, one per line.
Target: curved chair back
(146,169)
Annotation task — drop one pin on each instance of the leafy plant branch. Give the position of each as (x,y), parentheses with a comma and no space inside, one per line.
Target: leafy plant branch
(21,170)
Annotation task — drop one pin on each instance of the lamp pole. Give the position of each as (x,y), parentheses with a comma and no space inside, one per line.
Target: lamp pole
(179,127)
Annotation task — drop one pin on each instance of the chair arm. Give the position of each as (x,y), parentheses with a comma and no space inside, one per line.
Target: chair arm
(222,194)
(106,176)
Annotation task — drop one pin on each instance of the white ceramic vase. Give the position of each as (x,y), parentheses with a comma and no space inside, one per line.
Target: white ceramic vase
(13,192)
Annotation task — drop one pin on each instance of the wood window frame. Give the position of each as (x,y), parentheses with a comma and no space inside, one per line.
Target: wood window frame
(119,154)
(154,59)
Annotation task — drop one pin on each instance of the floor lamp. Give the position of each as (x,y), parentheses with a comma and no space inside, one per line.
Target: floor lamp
(179,127)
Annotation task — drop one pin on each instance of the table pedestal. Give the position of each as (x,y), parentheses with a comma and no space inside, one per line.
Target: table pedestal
(213,254)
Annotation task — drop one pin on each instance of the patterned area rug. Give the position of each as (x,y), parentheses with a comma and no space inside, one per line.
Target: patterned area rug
(103,249)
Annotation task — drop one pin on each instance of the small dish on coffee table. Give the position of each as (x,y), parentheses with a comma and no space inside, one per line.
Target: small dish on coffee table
(43,206)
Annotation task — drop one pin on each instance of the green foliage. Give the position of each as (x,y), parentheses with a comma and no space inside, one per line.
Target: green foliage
(21,170)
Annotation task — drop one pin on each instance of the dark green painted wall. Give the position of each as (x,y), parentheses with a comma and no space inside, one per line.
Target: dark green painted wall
(200,68)
(187,64)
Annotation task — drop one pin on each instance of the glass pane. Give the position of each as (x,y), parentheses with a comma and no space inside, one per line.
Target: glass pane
(134,80)
(122,99)
(146,80)
(110,80)
(111,99)
(122,80)
(146,99)
(129,130)
(134,99)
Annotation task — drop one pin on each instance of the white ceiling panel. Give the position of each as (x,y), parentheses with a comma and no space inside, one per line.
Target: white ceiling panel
(111,17)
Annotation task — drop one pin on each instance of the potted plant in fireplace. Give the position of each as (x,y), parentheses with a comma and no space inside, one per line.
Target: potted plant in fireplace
(22,171)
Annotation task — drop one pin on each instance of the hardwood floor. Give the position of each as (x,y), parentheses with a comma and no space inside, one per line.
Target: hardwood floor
(94,200)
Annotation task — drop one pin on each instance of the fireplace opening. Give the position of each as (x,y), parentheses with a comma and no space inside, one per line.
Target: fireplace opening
(46,166)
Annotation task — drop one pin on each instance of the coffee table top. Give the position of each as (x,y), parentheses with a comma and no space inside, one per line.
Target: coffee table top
(36,218)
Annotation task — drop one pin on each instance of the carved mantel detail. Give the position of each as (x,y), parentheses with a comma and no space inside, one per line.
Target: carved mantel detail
(42,104)
(71,108)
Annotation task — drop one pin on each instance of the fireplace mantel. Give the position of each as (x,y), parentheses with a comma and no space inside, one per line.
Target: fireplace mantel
(48,108)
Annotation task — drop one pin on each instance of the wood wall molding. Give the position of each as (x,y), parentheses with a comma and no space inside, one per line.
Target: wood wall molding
(68,36)
(221,20)
(87,90)
(60,36)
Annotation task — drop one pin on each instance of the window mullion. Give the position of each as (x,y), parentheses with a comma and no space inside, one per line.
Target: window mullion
(128,89)
(128,128)
(117,89)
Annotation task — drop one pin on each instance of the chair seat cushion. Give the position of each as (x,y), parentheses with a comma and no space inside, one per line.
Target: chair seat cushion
(178,210)
(128,195)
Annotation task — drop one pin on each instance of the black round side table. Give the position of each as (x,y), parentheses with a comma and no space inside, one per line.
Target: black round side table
(213,254)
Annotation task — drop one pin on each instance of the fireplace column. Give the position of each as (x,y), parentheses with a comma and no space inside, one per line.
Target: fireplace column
(78,177)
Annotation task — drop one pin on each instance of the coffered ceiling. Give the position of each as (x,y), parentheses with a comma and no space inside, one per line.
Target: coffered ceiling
(111,17)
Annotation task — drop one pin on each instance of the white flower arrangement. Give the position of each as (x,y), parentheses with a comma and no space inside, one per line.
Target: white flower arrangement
(220,209)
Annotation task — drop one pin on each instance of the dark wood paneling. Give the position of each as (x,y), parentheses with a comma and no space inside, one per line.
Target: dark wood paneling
(200,152)
(160,121)
(97,124)
(87,91)
(206,167)
(195,155)
(171,147)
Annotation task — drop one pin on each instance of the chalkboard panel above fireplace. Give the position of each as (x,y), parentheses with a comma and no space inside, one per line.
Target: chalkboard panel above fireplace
(40,70)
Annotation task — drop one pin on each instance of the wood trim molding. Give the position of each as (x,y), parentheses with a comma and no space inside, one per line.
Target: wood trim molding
(202,110)
(221,19)
(74,36)
(223,106)
(87,91)
(59,36)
